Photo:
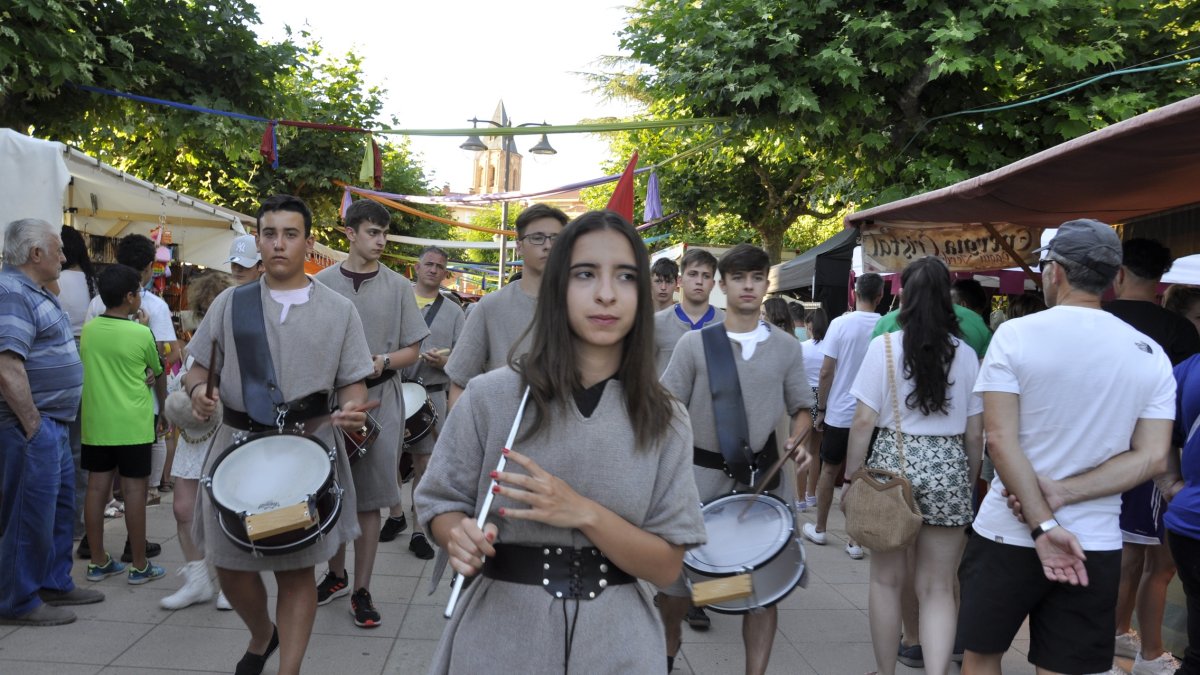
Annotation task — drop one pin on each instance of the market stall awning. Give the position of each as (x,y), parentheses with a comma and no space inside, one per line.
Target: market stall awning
(805,270)
(1144,165)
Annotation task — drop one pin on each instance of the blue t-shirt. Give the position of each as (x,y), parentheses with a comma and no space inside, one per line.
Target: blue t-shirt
(34,326)
(1183,514)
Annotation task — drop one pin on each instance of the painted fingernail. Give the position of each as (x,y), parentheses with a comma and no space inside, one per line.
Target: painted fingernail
(501,510)
(494,474)
(506,451)
(490,536)
(496,489)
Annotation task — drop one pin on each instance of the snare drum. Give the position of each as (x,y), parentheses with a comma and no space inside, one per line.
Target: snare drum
(274,492)
(763,543)
(357,442)
(419,415)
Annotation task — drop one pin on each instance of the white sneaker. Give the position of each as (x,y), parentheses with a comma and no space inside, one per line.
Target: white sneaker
(223,602)
(800,506)
(1116,670)
(812,501)
(854,550)
(1128,645)
(811,534)
(1165,664)
(197,587)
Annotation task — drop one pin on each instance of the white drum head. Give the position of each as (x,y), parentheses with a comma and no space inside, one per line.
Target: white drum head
(414,397)
(270,472)
(737,543)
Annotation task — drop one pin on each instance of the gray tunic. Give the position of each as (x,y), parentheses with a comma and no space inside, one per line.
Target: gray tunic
(668,328)
(496,323)
(506,627)
(773,384)
(391,321)
(443,334)
(319,347)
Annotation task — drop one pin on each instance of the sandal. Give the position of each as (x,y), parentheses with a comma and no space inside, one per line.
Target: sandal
(166,486)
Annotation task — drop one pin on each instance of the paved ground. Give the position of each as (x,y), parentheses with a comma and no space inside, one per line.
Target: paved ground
(822,629)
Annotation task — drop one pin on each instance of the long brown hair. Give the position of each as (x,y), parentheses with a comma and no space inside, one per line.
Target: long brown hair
(550,369)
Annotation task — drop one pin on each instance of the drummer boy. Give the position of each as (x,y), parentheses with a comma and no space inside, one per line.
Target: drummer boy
(317,346)
(770,372)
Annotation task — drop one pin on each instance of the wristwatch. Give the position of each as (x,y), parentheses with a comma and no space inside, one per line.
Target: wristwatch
(1044,527)
(387,361)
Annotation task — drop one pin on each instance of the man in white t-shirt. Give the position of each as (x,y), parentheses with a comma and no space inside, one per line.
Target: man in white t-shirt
(844,346)
(1078,407)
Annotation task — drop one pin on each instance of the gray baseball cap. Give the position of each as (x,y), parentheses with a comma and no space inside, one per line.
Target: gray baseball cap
(244,251)
(1087,242)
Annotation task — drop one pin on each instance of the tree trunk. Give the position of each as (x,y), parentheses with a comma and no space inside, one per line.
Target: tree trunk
(772,240)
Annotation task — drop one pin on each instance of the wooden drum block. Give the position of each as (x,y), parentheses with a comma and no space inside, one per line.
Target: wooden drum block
(722,590)
(285,519)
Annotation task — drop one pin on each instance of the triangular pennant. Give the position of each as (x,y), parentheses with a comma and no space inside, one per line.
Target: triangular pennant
(653,206)
(622,197)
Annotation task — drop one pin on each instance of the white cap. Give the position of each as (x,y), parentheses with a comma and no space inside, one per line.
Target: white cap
(244,251)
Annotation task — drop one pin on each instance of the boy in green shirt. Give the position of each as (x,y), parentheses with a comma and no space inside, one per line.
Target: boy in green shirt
(119,356)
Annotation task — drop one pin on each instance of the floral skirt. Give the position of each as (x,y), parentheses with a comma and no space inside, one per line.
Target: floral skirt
(938,469)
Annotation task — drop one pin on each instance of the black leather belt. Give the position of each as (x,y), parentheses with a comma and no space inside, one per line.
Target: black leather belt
(762,461)
(299,410)
(434,388)
(383,377)
(563,572)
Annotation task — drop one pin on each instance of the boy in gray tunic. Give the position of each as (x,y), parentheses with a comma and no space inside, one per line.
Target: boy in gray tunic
(394,330)
(445,320)
(693,311)
(597,475)
(771,374)
(499,320)
(317,344)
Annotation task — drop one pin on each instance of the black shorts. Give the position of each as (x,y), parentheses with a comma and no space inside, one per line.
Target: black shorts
(834,444)
(131,461)
(1071,628)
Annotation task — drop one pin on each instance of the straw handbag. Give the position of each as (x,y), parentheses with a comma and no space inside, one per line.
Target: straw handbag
(881,513)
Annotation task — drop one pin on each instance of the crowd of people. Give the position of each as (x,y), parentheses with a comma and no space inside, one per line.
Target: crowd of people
(586,419)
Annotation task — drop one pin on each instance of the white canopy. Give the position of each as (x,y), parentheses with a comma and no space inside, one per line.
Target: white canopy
(104,200)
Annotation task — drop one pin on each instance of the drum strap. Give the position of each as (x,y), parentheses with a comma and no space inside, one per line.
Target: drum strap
(729,410)
(260,387)
(432,310)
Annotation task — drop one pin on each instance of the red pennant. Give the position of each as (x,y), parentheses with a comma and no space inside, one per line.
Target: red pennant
(267,146)
(378,164)
(622,197)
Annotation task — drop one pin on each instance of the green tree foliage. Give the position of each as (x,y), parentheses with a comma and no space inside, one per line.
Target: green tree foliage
(204,54)
(844,95)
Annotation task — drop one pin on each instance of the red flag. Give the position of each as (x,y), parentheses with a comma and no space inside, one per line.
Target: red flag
(622,198)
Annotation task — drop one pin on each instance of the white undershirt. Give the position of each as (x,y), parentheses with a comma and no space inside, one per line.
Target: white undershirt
(749,341)
(295,296)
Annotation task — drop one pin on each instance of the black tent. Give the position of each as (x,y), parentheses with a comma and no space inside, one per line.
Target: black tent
(823,271)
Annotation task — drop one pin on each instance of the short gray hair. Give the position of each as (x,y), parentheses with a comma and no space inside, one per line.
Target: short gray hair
(1082,278)
(22,236)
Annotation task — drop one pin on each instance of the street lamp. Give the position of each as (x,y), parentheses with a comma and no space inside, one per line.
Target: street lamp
(476,144)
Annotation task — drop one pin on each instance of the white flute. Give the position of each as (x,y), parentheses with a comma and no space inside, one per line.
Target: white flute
(481,519)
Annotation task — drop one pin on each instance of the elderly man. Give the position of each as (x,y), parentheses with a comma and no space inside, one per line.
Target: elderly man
(41,380)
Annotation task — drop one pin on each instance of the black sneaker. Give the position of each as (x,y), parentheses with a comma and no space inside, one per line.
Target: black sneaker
(84,551)
(392,527)
(420,547)
(697,619)
(365,614)
(152,551)
(332,586)
(911,656)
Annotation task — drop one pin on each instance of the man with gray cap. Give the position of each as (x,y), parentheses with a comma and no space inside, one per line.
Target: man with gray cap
(245,263)
(1078,407)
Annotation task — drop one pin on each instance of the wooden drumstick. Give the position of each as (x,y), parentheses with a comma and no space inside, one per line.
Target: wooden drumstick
(212,372)
(762,486)
(481,519)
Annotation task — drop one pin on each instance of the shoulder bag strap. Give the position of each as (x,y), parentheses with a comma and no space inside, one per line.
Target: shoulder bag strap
(891,372)
(729,411)
(260,387)
(431,313)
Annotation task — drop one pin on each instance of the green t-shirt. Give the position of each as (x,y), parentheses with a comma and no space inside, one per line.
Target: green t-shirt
(118,407)
(975,331)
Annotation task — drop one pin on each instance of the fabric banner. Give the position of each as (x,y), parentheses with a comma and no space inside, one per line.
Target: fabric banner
(965,248)
(621,200)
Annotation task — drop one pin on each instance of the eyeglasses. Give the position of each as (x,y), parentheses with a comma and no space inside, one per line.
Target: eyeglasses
(538,238)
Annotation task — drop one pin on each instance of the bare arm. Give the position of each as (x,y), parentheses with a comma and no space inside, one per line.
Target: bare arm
(401,358)
(801,428)
(824,384)
(1171,481)
(861,428)
(452,396)
(14,387)
(974,446)
(1147,458)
